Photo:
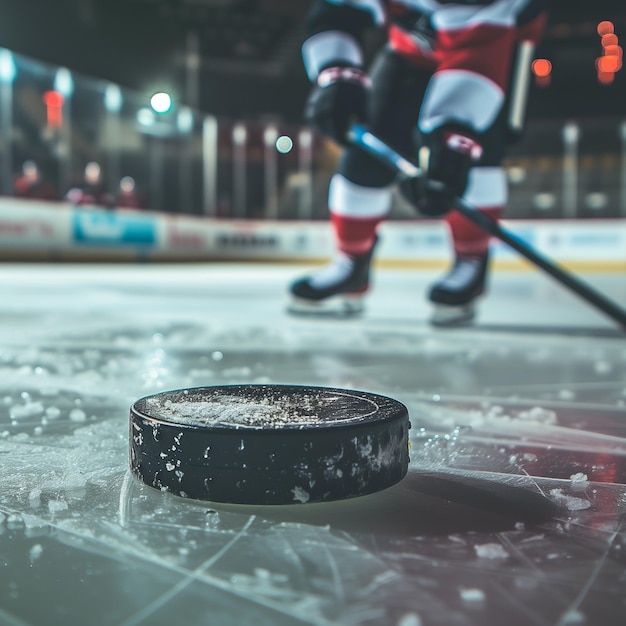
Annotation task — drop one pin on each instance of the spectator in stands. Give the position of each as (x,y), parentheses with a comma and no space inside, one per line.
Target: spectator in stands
(31,184)
(128,196)
(93,191)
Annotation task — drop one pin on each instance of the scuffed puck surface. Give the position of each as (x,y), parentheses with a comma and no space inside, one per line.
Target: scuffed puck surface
(268,444)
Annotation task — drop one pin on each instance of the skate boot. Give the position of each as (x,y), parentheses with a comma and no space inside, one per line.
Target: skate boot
(454,296)
(336,289)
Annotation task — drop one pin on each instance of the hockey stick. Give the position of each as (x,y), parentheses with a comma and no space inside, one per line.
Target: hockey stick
(361,137)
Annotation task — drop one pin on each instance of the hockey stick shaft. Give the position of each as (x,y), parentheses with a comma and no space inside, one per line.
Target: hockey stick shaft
(361,137)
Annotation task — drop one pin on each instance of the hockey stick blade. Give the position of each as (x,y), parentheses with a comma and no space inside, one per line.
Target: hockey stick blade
(361,137)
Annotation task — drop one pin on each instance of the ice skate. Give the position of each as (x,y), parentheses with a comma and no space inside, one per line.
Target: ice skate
(336,289)
(456,294)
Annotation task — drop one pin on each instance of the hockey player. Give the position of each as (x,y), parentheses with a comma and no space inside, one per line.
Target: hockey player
(439,93)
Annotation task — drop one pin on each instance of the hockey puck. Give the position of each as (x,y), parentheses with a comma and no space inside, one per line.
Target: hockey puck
(268,444)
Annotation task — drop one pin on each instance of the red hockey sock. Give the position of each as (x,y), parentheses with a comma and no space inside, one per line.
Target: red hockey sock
(469,239)
(354,235)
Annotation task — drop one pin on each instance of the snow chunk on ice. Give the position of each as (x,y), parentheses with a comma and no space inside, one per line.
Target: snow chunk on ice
(572,617)
(410,619)
(78,415)
(472,596)
(570,502)
(35,552)
(491,551)
(32,522)
(56,506)
(602,367)
(578,477)
(53,412)
(579,482)
(34,498)
(300,495)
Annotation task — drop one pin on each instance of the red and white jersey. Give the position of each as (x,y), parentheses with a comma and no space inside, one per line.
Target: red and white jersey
(468,45)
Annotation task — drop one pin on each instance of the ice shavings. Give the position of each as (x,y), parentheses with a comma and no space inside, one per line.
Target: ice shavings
(232,411)
(25,411)
(570,502)
(272,411)
(486,417)
(263,582)
(536,426)
(52,479)
(538,415)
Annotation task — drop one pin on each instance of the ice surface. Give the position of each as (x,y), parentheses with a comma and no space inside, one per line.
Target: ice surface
(513,511)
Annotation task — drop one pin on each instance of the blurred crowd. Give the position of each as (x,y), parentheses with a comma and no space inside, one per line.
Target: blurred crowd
(33,184)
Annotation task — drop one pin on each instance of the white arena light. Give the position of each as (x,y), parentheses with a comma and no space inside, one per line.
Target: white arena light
(145,117)
(516,174)
(544,201)
(161,102)
(596,200)
(184,121)
(284,144)
(7,66)
(113,98)
(63,82)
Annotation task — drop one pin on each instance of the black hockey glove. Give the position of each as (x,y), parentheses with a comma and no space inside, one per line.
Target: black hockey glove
(338,100)
(452,153)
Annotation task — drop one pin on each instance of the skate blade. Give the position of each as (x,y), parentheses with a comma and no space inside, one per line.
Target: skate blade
(336,306)
(450,316)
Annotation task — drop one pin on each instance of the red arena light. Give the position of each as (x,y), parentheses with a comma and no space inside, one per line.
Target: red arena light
(54,108)
(606,78)
(614,51)
(608,64)
(609,40)
(541,67)
(605,28)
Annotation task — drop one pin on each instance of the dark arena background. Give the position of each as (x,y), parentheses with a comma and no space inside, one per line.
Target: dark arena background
(159,192)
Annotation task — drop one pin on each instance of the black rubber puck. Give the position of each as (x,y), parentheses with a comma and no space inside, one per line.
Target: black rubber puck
(268,444)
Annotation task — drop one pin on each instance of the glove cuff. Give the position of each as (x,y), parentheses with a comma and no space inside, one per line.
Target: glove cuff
(347,74)
(328,49)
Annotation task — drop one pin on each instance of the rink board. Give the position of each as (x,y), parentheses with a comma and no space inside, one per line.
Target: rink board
(44,231)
